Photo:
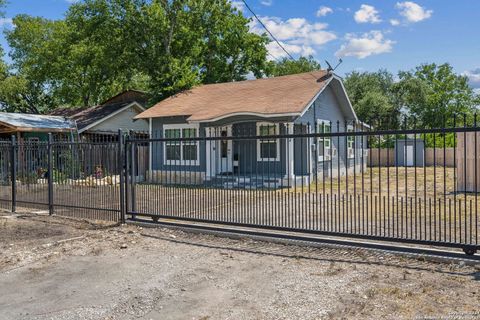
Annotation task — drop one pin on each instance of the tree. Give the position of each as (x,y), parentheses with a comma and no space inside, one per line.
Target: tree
(188,42)
(372,97)
(287,66)
(433,94)
(80,60)
(105,46)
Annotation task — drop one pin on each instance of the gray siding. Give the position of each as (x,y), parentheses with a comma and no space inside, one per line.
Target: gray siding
(158,148)
(326,107)
(122,120)
(246,152)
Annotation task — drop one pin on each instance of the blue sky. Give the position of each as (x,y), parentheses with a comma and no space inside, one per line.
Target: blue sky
(367,35)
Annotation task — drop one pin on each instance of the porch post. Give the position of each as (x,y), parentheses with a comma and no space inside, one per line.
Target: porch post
(309,155)
(290,154)
(150,151)
(208,150)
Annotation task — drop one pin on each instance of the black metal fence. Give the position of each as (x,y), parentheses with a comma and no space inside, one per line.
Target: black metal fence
(78,179)
(285,177)
(321,180)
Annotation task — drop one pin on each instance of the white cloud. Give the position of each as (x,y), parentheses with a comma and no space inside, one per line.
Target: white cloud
(297,35)
(6,23)
(394,22)
(239,5)
(323,11)
(413,12)
(367,14)
(267,3)
(367,44)
(474,77)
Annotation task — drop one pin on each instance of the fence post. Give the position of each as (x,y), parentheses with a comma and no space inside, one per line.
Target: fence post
(126,172)
(50,174)
(121,161)
(133,180)
(13,169)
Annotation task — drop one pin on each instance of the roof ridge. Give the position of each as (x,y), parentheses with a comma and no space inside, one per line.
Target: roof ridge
(263,79)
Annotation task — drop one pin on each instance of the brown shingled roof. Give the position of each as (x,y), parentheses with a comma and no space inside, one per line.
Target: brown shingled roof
(85,116)
(279,95)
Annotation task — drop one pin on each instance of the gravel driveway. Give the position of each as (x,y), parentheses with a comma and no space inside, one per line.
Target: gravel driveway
(57,268)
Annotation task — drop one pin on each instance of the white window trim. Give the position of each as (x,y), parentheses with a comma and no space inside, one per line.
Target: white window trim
(181,162)
(259,141)
(329,156)
(350,150)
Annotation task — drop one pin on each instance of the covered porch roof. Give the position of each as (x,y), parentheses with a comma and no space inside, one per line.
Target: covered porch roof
(22,122)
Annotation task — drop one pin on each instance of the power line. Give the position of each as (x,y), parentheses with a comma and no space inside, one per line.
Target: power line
(265,27)
(274,58)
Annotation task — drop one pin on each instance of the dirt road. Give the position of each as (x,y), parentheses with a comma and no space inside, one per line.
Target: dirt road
(55,268)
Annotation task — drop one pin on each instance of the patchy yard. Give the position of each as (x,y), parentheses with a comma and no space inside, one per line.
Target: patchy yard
(55,268)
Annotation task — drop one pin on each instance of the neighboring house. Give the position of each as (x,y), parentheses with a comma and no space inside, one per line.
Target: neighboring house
(104,120)
(34,127)
(301,103)
(29,129)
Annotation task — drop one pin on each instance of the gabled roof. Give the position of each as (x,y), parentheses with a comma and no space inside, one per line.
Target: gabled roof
(128,96)
(285,95)
(35,123)
(86,117)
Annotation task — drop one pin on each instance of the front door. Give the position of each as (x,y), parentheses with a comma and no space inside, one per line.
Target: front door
(225,151)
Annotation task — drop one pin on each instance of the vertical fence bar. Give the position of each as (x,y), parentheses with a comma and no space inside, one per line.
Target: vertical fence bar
(133,172)
(13,168)
(127,173)
(50,174)
(121,164)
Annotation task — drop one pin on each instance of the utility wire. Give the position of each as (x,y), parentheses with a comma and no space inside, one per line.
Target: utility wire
(265,27)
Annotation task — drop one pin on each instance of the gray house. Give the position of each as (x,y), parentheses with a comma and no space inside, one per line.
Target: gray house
(312,102)
(104,120)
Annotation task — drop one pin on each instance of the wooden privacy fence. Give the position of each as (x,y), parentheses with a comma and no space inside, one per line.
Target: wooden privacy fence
(385,157)
(468,162)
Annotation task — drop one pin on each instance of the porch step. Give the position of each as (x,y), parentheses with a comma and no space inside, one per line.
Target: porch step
(232,182)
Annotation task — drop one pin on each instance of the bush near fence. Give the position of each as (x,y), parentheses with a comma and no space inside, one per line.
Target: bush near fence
(385,157)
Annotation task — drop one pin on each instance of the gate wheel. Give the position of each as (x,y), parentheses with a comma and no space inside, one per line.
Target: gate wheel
(155,219)
(470,251)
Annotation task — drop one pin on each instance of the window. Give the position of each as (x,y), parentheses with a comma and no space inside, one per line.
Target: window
(267,149)
(350,143)
(224,144)
(324,144)
(179,151)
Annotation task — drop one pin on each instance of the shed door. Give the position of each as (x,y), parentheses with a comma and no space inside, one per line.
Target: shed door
(409,156)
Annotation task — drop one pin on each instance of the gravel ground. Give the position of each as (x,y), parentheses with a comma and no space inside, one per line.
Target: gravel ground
(58,268)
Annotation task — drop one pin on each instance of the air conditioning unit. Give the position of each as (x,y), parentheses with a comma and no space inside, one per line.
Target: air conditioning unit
(328,154)
(351,153)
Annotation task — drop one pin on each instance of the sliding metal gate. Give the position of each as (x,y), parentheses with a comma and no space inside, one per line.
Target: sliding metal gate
(308,179)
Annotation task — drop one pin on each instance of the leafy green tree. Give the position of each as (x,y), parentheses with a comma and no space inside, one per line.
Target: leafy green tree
(105,46)
(188,42)
(372,97)
(433,94)
(288,66)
